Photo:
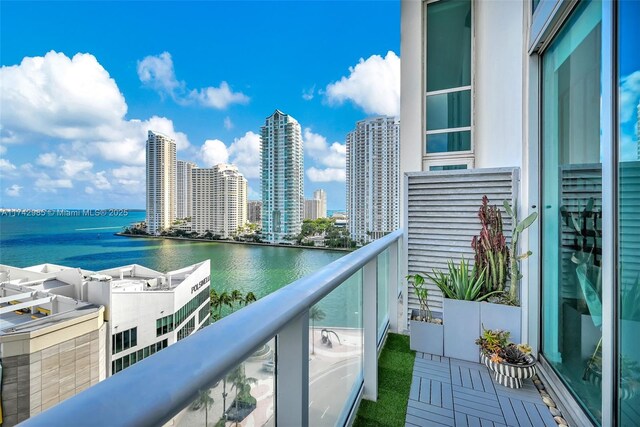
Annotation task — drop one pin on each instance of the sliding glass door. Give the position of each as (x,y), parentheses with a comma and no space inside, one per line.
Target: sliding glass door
(628,354)
(571,214)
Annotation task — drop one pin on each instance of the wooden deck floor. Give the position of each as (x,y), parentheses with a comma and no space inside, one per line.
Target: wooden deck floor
(452,392)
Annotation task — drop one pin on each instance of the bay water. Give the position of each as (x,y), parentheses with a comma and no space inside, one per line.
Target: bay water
(74,239)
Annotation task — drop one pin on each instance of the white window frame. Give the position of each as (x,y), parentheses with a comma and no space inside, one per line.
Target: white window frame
(459,157)
(449,161)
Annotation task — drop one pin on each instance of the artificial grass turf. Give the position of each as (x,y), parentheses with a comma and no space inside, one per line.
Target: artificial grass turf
(395,369)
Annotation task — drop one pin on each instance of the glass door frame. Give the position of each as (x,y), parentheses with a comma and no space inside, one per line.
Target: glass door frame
(544,25)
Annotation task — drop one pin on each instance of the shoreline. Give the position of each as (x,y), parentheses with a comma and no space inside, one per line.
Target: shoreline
(233,242)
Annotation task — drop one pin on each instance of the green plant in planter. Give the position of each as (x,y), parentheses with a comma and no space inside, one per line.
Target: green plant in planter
(514,257)
(422,293)
(492,341)
(461,283)
(495,344)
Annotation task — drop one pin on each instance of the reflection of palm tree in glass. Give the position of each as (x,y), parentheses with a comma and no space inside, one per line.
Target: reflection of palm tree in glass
(315,313)
(205,400)
(242,385)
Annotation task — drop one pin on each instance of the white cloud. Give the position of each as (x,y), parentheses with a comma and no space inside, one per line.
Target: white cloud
(89,190)
(129,172)
(52,185)
(72,167)
(373,85)
(49,160)
(307,94)
(13,191)
(228,124)
(629,96)
(60,97)
(332,157)
(245,154)
(76,101)
(6,166)
(213,152)
(157,72)
(3,149)
(218,97)
(101,182)
(326,175)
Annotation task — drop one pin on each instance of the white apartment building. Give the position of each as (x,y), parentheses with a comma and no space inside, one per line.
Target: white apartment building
(161,182)
(322,196)
(373,178)
(219,200)
(282,174)
(312,209)
(64,329)
(183,188)
(254,208)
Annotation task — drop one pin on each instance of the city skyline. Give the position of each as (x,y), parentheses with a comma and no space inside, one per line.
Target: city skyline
(209,97)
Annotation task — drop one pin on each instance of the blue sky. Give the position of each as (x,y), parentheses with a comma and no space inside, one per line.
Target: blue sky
(83,81)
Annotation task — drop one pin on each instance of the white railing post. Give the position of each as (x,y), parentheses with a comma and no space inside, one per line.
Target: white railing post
(370,325)
(393,281)
(292,373)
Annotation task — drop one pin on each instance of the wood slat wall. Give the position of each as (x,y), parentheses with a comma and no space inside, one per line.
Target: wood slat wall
(442,217)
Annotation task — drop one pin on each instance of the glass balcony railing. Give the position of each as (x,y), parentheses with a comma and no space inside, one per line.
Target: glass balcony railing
(303,355)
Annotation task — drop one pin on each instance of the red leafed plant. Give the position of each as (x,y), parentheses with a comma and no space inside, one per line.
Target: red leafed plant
(492,253)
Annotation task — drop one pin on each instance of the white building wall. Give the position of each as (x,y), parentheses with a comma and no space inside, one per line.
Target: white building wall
(498,82)
(219,200)
(183,188)
(140,309)
(322,196)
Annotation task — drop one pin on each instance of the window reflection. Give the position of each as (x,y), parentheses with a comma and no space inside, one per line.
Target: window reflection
(629,214)
(572,214)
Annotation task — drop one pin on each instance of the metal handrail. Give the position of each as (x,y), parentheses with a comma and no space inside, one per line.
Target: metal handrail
(153,391)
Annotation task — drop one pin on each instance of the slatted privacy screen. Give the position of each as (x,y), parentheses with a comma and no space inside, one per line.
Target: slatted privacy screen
(441,209)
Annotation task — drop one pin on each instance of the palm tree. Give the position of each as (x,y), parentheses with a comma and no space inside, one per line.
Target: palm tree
(315,313)
(236,296)
(225,299)
(249,298)
(204,399)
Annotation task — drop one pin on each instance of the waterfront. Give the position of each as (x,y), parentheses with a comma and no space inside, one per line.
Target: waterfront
(89,242)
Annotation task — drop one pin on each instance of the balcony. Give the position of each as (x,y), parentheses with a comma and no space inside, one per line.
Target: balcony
(278,361)
(309,354)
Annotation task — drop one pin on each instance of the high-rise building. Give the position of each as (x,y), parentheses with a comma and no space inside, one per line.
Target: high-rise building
(161,182)
(282,174)
(312,209)
(219,196)
(322,196)
(183,188)
(373,178)
(254,208)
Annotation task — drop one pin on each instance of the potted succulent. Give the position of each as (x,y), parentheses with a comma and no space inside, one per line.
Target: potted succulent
(462,289)
(510,362)
(425,330)
(501,261)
